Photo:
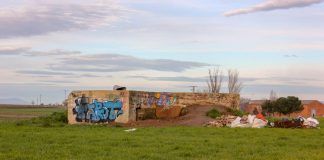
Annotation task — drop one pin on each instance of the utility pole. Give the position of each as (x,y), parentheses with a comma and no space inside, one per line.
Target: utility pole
(65,91)
(193,88)
(40,99)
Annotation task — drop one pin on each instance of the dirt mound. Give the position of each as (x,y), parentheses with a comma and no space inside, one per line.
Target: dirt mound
(196,116)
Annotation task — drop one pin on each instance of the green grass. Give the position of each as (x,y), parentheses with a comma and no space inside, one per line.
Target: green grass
(14,113)
(103,142)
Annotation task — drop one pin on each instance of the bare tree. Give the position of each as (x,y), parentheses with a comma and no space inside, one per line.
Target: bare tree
(273,96)
(215,80)
(234,86)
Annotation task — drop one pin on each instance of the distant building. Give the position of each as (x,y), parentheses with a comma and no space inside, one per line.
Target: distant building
(311,108)
(252,105)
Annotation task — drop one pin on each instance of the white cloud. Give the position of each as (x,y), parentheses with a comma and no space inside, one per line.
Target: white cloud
(43,18)
(269,5)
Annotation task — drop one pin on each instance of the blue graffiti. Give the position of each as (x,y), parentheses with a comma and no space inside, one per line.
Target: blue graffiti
(98,111)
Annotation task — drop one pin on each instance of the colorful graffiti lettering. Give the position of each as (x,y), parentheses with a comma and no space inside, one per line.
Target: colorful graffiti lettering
(97,111)
(153,100)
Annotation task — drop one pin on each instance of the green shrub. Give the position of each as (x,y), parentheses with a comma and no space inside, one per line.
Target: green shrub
(272,119)
(214,113)
(54,119)
(235,112)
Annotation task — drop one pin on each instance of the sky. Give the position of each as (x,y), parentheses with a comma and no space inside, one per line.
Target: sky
(49,47)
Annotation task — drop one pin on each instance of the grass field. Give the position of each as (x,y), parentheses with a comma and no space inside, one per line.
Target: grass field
(26,141)
(12,113)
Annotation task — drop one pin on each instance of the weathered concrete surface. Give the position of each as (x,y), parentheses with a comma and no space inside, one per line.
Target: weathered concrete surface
(171,112)
(133,101)
(100,95)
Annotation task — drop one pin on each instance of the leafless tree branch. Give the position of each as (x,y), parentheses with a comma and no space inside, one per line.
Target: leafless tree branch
(215,80)
(234,86)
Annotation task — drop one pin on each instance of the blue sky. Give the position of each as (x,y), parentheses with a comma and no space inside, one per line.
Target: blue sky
(49,46)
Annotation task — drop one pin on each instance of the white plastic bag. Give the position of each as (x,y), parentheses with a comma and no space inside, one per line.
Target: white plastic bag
(130,130)
(251,119)
(259,123)
(312,122)
(236,122)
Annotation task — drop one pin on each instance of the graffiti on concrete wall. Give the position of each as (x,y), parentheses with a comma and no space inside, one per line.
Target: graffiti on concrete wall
(142,100)
(97,111)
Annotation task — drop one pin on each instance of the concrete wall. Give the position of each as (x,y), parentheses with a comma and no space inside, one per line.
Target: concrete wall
(111,97)
(131,101)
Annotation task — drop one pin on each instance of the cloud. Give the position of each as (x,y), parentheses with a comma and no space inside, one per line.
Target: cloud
(93,75)
(172,79)
(26,51)
(290,56)
(269,5)
(12,51)
(39,19)
(118,63)
(59,81)
(42,72)
(75,61)
(200,79)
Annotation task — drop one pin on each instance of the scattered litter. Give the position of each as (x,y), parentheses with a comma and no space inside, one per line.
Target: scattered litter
(311,122)
(236,122)
(222,121)
(130,130)
(260,116)
(259,123)
(249,121)
(251,118)
(299,122)
(286,123)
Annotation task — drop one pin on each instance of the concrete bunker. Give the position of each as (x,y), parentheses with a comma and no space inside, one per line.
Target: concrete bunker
(123,106)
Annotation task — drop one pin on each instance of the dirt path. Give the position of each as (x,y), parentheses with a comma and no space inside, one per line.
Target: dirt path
(196,116)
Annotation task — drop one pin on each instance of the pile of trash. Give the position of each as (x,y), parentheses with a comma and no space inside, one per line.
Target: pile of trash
(250,121)
(223,121)
(299,122)
(259,121)
(310,122)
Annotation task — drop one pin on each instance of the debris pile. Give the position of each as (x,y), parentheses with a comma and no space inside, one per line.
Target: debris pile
(250,121)
(223,121)
(299,122)
(311,122)
(259,121)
